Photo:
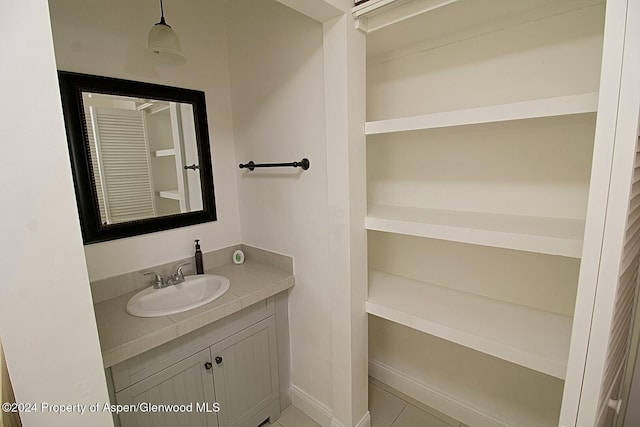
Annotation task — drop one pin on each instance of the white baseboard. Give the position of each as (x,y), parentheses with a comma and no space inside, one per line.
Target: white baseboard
(433,397)
(365,421)
(319,412)
(311,406)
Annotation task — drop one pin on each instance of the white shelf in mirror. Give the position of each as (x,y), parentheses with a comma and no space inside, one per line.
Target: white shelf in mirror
(532,338)
(165,153)
(553,236)
(170,194)
(549,107)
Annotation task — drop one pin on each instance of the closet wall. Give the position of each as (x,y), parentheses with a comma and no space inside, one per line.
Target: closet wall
(480,126)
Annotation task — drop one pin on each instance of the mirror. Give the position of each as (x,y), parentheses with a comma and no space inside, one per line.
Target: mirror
(139,153)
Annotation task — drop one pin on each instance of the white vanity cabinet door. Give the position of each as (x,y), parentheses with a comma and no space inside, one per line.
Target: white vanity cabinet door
(245,373)
(187,382)
(148,363)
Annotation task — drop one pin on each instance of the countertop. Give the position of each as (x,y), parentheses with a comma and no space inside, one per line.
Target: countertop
(123,336)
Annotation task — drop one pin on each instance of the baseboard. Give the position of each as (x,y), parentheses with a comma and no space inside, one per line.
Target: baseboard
(311,406)
(320,412)
(433,397)
(365,421)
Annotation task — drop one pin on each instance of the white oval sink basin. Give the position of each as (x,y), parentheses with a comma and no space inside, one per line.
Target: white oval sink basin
(194,292)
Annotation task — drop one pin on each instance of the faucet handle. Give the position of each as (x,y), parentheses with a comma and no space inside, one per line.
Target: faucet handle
(179,271)
(158,281)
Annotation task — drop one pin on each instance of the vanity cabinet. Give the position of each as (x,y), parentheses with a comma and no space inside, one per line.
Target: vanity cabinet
(184,383)
(245,374)
(226,373)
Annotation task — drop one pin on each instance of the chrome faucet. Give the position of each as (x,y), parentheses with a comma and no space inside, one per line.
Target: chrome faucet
(158,281)
(174,279)
(178,276)
(180,267)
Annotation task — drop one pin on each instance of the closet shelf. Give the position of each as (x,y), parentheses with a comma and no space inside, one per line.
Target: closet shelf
(553,236)
(549,107)
(170,194)
(165,153)
(532,338)
(377,14)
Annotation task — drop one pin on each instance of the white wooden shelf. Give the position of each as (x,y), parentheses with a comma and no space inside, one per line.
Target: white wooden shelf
(559,106)
(553,236)
(170,194)
(165,153)
(159,107)
(533,338)
(377,14)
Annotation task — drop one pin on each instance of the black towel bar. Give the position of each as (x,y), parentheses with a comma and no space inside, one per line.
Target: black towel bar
(304,164)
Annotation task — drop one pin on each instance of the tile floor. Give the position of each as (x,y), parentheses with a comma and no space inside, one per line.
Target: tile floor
(294,417)
(388,407)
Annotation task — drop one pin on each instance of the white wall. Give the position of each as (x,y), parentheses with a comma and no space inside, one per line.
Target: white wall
(344,68)
(277,87)
(47,323)
(109,39)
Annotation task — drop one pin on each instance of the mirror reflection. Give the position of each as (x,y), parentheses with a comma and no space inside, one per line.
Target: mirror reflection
(144,157)
(139,153)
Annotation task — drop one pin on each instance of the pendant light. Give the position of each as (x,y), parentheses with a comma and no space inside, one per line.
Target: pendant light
(163,41)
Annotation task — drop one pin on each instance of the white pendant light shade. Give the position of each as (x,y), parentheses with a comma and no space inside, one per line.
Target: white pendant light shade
(163,41)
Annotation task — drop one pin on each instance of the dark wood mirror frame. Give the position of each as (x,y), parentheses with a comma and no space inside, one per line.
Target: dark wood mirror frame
(72,85)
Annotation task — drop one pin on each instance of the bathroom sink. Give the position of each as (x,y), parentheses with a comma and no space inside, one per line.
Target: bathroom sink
(194,292)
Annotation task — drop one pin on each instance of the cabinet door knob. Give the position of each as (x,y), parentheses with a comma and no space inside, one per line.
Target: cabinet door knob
(218,360)
(208,366)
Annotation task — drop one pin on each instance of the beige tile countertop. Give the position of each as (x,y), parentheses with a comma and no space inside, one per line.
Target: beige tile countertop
(123,336)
